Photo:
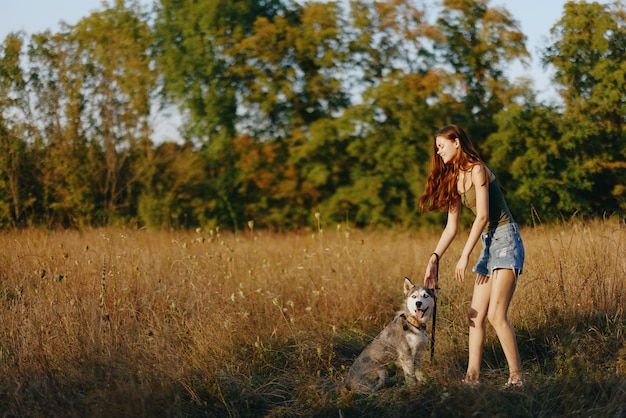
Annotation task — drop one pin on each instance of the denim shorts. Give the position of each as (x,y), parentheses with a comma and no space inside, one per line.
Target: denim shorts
(502,249)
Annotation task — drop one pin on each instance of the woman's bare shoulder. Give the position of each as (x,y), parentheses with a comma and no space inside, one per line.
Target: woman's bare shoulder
(481,174)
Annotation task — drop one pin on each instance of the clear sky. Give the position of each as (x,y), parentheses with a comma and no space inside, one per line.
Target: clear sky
(536,18)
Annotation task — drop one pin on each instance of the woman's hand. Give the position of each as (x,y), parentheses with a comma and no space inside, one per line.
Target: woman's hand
(461,266)
(430,278)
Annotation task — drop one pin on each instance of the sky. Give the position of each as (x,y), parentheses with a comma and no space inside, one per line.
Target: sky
(535,16)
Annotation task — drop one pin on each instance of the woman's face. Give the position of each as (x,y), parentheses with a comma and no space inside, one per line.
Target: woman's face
(447,149)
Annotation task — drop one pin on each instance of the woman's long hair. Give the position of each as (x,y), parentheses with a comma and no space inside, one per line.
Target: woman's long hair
(441,184)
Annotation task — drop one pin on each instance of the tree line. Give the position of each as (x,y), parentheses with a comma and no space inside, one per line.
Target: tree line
(290,109)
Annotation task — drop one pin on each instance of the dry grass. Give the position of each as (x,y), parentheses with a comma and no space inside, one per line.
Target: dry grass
(139,323)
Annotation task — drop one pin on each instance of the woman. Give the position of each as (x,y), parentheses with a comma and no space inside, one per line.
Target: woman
(458,176)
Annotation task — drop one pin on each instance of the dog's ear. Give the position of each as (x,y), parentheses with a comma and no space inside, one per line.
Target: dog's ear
(408,285)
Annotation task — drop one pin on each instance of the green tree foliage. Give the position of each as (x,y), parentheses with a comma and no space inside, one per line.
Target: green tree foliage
(94,86)
(557,163)
(590,61)
(288,67)
(16,183)
(115,48)
(525,155)
(479,42)
(378,154)
(60,146)
(378,137)
(291,96)
(291,108)
(193,37)
(174,195)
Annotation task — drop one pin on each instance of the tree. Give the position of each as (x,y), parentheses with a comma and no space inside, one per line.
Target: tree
(526,157)
(287,91)
(380,148)
(589,58)
(478,42)
(60,148)
(16,182)
(94,82)
(296,81)
(193,38)
(115,49)
(174,195)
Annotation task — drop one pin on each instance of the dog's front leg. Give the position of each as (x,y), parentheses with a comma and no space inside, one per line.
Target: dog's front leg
(417,351)
(419,375)
(408,367)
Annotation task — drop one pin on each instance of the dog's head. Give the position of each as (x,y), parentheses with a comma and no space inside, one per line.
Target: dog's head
(420,301)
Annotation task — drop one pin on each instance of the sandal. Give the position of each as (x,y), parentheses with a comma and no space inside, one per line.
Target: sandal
(470,382)
(514,383)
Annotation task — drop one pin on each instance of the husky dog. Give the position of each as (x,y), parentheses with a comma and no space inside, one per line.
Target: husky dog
(403,341)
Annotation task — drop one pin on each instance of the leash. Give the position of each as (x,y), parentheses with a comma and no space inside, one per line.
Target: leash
(432,338)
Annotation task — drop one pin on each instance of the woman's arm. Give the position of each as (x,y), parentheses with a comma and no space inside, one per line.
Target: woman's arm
(447,236)
(480,179)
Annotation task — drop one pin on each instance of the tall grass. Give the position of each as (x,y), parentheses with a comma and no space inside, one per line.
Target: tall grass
(203,323)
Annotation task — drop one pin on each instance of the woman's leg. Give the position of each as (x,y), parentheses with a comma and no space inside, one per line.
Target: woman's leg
(477,314)
(502,288)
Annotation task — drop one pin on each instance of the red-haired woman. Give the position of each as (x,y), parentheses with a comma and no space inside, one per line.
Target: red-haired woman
(458,176)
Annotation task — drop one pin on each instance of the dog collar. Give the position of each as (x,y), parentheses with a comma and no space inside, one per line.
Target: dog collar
(413,321)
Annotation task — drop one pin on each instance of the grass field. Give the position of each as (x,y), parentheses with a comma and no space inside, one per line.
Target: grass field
(203,323)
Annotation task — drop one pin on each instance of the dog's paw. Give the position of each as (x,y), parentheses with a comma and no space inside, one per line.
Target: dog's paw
(410,379)
(419,376)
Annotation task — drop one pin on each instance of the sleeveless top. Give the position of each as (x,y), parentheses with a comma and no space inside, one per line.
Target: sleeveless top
(499,213)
